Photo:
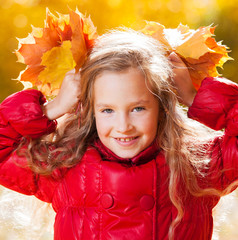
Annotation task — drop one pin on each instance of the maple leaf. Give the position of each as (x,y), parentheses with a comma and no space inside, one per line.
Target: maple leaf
(197,48)
(194,43)
(57,62)
(51,51)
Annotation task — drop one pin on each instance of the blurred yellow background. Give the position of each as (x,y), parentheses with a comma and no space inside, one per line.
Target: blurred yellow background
(17,16)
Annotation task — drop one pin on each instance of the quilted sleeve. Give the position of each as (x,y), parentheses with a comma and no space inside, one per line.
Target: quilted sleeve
(216,106)
(21,116)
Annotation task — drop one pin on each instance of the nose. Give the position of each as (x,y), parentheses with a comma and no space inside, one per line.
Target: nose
(123,123)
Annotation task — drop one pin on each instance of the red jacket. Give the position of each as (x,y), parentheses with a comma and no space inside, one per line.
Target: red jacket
(105,197)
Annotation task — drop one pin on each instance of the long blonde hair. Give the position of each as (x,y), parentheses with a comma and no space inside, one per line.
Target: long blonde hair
(117,51)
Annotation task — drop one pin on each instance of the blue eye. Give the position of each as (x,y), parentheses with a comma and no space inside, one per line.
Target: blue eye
(138,109)
(108,110)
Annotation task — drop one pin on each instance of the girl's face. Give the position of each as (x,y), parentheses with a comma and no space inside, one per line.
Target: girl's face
(126,112)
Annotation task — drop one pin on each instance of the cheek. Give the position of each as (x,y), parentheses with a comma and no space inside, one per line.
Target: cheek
(151,125)
(102,125)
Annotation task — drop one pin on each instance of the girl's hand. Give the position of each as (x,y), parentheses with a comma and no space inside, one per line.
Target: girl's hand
(182,81)
(67,98)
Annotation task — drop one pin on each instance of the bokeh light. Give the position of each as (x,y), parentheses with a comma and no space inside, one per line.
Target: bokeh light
(20,20)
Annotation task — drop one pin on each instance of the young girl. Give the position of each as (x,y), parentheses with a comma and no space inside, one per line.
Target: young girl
(126,163)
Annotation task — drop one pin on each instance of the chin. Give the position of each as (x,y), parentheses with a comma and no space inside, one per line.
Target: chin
(126,155)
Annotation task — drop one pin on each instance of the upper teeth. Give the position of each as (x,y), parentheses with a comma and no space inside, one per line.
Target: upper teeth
(125,139)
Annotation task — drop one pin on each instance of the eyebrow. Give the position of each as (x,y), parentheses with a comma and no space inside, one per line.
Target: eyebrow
(141,102)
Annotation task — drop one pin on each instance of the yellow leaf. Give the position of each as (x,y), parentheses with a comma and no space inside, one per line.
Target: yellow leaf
(194,43)
(58,61)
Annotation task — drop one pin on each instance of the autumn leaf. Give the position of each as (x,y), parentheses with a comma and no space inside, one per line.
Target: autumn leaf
(83,35)
(57,62)
(90,32)
(194,43)
(197,48)
(51,51)
(30,75)
(79,49)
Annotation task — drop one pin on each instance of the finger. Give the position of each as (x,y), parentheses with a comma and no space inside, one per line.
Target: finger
(176,60)
(77,76)
(70,73)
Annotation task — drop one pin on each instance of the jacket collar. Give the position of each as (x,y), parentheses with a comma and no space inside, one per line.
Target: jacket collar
(145,156)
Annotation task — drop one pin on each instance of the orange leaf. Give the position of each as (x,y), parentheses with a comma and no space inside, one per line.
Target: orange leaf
(30,74)
(83,35)
(194,43)
(42,51)
(39,41)
(79,49)
(197,48)
(90,32)
(60,25)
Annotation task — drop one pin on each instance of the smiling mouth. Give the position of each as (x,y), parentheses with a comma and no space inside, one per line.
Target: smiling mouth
(126,139)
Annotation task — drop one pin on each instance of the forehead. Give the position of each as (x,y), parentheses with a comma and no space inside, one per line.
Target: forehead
(122,89)
(129,85)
